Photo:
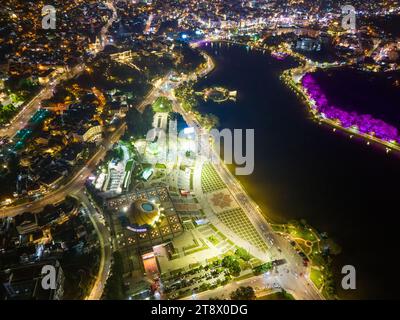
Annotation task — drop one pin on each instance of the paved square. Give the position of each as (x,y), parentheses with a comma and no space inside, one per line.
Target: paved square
(237,221)
(210,180)
(221,200)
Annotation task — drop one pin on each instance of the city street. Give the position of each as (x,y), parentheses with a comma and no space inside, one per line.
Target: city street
(261,284)
(105,246)
(74,184)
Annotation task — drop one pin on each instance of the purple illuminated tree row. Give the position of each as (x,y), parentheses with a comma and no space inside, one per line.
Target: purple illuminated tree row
(364,122)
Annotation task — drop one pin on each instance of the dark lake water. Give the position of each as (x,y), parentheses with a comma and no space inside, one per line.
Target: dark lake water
(306,171)
(377,94)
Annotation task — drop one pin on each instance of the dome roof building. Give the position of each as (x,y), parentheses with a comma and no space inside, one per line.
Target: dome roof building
(142,214)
